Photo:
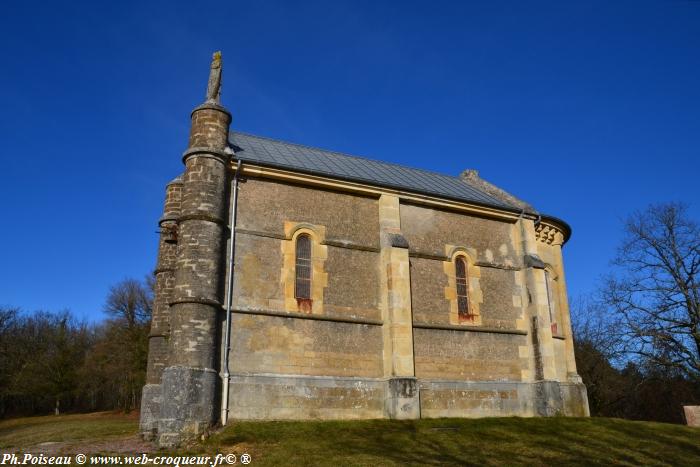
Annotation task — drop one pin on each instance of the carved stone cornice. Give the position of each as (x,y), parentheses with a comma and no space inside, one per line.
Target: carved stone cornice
(549,234)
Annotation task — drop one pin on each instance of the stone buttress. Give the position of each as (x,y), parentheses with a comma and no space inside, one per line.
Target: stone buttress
(395,284)
(552,395)
(158,350)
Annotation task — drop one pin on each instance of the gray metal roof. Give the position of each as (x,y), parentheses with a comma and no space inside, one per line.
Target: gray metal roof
(279,154)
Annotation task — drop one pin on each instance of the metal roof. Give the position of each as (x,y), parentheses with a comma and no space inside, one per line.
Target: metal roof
(279,154)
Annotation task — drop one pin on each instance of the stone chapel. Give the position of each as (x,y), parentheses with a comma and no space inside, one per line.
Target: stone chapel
(299,283)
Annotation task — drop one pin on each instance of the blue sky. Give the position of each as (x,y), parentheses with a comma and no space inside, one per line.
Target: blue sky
(588,110)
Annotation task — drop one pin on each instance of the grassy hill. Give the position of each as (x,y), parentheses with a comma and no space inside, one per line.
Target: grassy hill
(493,441)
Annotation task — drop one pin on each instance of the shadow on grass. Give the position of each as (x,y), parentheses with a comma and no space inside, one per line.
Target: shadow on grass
(494,441)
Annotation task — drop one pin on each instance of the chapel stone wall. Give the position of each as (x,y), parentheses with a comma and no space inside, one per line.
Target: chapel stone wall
(490,347)
(273,334)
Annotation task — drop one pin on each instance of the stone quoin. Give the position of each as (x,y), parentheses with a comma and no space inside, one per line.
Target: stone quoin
(359,289)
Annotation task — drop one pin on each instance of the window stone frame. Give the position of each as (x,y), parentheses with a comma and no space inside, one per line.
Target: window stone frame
(474,292)
(319,277)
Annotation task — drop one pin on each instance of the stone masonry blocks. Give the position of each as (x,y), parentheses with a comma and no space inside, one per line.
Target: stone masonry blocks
(210,124)
(194,334)
(205,188)
(402,400)
(151,398)
(277,397)
(189,384)
(189,396)
(199,272)
(158,345)
(291,346)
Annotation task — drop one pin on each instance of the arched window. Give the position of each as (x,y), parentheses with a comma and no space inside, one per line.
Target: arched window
(302,287)
(462,287)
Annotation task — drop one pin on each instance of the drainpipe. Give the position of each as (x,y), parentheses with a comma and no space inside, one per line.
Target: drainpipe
(229,298)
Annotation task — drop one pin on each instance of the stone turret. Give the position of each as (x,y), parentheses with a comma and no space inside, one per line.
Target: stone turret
(189,383)
(158,350)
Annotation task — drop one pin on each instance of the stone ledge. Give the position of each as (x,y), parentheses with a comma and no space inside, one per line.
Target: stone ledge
(189,368)
(334,318)
(158,334)
(200,300)
(350,246)
(157,271)
(455,327)
(330,242)
(164,220)
(211,153)
(211,106)
(481,264)
(292,377)
(458,384)
(421,255)
(258,233)
(534,261)
(203,217)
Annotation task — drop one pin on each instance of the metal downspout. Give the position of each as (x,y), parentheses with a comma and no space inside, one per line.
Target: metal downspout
(229,298)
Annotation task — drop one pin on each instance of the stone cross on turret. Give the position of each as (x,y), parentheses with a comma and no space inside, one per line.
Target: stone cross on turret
(214,85)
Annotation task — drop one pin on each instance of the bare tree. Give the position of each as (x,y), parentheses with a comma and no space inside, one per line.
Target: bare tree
(599,353)
(593,324)
(655,290)
(130,301)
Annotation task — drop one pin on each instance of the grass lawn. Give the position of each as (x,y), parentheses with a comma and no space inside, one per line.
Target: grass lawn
(93,432)
(492,441)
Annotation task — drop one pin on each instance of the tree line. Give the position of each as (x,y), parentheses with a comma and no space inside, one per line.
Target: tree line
(637,339)
(53,362)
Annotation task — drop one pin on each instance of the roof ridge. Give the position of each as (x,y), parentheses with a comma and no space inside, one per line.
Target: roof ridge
(344,154)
